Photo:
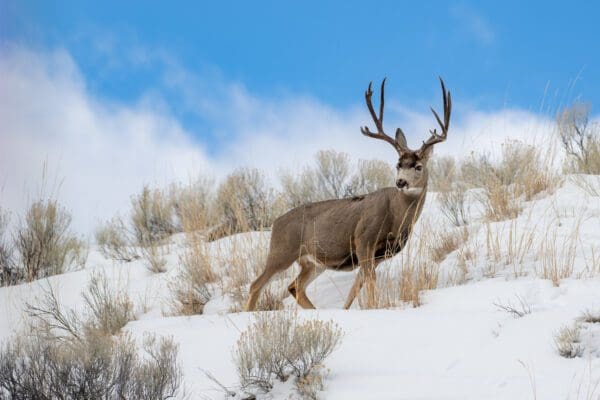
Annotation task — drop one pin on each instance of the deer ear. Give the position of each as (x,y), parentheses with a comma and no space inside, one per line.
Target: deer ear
(426,152)
(400,138)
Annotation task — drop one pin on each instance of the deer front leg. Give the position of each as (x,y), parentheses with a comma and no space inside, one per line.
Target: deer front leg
(365,274)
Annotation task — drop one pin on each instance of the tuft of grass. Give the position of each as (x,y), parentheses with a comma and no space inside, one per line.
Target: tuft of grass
(154,254)
(567,341)
(152,217)
(558,257)
(453,204)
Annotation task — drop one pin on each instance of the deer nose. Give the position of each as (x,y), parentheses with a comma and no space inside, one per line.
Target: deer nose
(401,183)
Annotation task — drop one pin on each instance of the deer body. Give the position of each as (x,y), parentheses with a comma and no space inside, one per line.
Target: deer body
(349,233)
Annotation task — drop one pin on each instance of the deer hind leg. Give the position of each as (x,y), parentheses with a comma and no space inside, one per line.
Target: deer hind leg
(310,270)
(274,266)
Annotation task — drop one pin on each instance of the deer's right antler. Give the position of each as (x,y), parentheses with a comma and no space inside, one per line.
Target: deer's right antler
(435,137)
(400,142)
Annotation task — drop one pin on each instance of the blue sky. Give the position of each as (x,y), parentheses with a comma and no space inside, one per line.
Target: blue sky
(107,96)
(492,54)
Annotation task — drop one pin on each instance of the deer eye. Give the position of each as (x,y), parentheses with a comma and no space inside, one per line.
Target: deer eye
(419,167)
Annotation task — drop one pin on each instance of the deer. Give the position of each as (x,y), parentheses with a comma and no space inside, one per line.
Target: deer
(354,232)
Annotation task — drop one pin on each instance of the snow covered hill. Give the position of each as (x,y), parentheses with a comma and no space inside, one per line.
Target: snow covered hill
(460,343)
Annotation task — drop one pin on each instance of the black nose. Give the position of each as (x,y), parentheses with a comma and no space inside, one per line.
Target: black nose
(401,183)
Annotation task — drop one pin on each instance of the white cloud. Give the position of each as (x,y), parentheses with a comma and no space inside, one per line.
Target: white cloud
(103,151)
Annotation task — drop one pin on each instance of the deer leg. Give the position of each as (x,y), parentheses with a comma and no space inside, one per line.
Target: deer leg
(365,274)
(309,272)
(272,268)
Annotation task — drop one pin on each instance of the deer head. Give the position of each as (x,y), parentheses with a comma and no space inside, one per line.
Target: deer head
(411,175)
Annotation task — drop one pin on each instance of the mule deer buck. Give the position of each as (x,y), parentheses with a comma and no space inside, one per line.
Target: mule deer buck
(361,231)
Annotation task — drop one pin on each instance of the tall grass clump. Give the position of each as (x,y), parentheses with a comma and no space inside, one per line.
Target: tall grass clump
(44,242)
(193,205)
(277,346)
(580,139)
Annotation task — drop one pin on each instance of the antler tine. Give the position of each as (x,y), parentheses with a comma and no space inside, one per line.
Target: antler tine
(378,120)
(435,137)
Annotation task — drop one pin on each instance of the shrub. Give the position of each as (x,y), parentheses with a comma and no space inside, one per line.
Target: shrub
(580,139)
(114,242)
(151,217)
(110,308)
(370,176)
(276,346)
(244,203)
(332,171)
(193,204)
(9,273)
(95,367)
(453,204)
(154,254)
(442,173)
(45,244)
(190,287)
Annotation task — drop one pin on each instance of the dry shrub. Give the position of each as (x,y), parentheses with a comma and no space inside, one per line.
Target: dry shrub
(110,307)
(332,172)
(67,355)
(93,367)
(517,310)
(114,241)
(152,218)
(580,139)
(442,173)
(9,273)
(193,204)
(334,177)
(370,175)
(521,173)
(277,345)
(190,288)
(244,203)
(453,204)
(154,254)
(568,341)
(45,244)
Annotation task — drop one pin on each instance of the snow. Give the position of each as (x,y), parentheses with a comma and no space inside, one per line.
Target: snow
(457,345)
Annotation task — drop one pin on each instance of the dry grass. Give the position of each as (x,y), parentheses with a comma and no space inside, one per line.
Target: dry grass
(45,243)
(518,310)
(443,173)
(417,272)
(558,255)
(277,346)
(510,244)
(568,341)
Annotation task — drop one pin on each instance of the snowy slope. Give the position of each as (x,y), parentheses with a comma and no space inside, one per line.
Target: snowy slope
(457,345)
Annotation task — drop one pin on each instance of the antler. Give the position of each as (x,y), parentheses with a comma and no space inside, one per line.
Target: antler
(435,137)
(400,142)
